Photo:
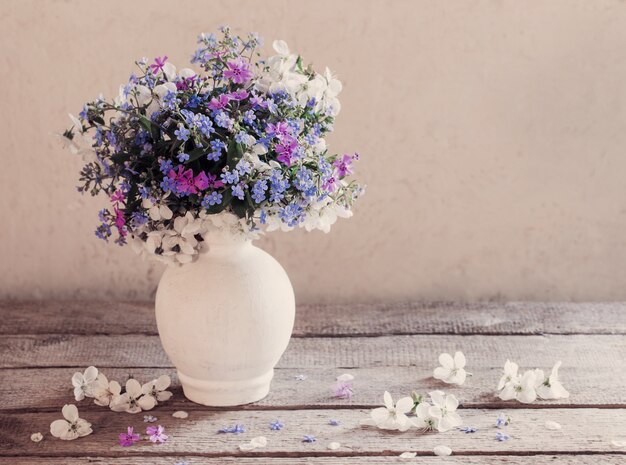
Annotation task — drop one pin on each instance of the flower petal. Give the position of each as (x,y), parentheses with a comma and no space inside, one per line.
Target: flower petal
(163,382)
(133,388)
(388,400)
(70,412)
(442,373)
(58,428)
(91,373)
(146,402)
(446,361)
(404,405)
(442,451)
(459,360)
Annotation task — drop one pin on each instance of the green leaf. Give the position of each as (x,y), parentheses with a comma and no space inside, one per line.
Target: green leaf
(195,154)
(145,123)
(243,208)
(234,154)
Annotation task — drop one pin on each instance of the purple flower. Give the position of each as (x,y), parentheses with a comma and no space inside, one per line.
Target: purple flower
(502,421)
(239,95)
(238,71)
(276,425)
(285,150)
(129,438)
(158,64)
(468,429)
(344,165)
(149,419)
(218,104)
(309,438)
(156,433)
(502,437)
(236,429)
(343,390)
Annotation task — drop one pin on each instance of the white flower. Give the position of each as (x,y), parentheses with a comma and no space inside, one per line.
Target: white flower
(323,214)
(510,374)
(521,388)
(425,420)
(260,441)
(157,211)
(84,383)
(105,391)
(442,451)
(133,400)
(550,387)
(72,427)
(444,409)
(36,437)
(552,425)
(157,389)
(451,370)
(281,47)
(393,417)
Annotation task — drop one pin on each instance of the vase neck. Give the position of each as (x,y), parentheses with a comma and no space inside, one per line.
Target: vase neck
(216,241)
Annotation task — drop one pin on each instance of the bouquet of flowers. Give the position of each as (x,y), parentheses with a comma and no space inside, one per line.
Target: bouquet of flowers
(237,147)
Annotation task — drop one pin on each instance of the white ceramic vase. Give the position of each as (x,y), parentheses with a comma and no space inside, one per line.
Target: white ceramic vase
(225,320)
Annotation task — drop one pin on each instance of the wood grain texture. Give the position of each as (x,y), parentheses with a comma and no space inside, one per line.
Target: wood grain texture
(585,431)
(98,317)
(600,351)
(383,460)
(45,389)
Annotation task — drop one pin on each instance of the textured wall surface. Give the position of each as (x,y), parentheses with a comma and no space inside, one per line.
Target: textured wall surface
(492,135)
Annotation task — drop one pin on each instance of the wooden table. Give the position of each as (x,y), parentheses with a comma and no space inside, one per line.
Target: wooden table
(386,347)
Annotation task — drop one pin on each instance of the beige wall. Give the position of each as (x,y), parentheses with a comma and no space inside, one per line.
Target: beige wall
(492,134)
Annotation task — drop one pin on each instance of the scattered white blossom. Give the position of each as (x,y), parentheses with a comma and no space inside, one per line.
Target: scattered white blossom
(444,410)
(393,416)
(133,400)
(255,443)
(157,389)
(509,375)
(521,388)
(180,414)
(84,383)
(408,455)
(552,425)
(621,442)
(105,391)
(442,451)
(452,369)
(72,426)
(334,445)
(36,437)
(550,387)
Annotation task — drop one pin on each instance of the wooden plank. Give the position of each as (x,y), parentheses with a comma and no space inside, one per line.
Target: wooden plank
(45,389)
(195,460)
(98,317)
(600,351)
(584,431)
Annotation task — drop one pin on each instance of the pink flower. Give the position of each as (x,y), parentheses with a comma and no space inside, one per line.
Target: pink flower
(238,71)
(285,150)
(129,438)
(343,390)
(157,433)
(279,129)
(214,182)
(344,165)
(216,104)
(117,196)
(201,181)
(239,95)
(332,183)
(158,64)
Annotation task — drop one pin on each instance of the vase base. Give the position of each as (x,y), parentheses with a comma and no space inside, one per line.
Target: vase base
(226,393)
